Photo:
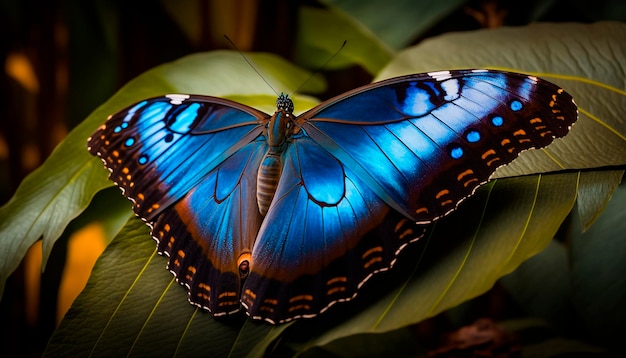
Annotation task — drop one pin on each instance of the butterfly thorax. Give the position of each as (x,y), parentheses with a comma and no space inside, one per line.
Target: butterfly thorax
(278,130)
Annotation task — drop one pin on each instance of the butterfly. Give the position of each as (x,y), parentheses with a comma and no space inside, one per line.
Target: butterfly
(286,215)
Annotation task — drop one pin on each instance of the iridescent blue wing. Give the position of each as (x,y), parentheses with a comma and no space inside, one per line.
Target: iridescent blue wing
(425,142)
(160,148)
(416,145)
(210,233)
(189,164)
(325,233)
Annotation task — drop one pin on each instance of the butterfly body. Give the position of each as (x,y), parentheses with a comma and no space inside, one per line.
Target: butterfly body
(278,130)
(288,215)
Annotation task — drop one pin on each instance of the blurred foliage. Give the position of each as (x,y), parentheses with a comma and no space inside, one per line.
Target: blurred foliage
(81,53)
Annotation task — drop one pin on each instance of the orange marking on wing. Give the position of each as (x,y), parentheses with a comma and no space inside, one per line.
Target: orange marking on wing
(488,153)
(400,224)
(519,132)
(464,174)
(492,161)
(250,293)
(181,254)
(371,251)
(372,261)
(535,120)
(204,286)
(115,153)
(301,298)
(423,209)
(447,202)
(125,170)
(337,279)
(335,290)
(299,307)
(406,233)
(467,183)
(141,197)
(227,294)
(442,193)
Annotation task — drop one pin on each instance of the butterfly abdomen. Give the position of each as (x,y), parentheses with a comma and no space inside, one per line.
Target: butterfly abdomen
(277,131)
(267,180)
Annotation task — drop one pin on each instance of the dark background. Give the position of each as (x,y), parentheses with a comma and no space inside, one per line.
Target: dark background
(64,58)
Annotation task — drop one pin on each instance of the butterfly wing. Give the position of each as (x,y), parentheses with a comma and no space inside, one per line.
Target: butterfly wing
(189,164)
(416,145)
(425,142)
(160,148)
(325,233)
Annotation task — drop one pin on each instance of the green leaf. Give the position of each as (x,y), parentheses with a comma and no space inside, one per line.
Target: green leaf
(59,190)
(597,274)
(316,44)
(396,25)
(594,193)
(132,306)
(586,60)
(542,287)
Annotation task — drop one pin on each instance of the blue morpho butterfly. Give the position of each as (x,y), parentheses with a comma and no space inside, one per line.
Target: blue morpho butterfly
(287,215)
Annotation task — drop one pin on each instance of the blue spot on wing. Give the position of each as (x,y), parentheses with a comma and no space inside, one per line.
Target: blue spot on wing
(472,136)
(497,121)
(456,152)
(516,105)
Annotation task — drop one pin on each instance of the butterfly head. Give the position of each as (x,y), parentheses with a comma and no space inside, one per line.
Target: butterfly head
(284,103)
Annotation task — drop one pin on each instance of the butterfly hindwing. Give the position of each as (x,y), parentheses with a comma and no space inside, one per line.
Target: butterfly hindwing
(325,233)
(212,229)
(425,142)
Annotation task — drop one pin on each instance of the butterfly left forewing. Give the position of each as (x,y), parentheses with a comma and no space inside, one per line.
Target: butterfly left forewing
(158,149)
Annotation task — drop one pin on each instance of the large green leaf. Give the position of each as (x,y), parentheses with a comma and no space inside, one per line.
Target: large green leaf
(316,44)
(59,190)
(464,254)
(399,24)
(598,283)
(131,306)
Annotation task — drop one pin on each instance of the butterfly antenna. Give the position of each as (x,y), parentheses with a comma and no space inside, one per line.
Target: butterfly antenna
(319,69)
(249,63)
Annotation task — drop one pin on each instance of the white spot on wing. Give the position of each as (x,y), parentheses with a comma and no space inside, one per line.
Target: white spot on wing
(440,75)
(177,98)
(452,89)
